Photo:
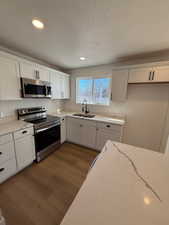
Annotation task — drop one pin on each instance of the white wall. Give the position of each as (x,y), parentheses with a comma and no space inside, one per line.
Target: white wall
(9,107)
(145,109)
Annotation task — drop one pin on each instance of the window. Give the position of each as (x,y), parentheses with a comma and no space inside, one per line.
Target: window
(94,90)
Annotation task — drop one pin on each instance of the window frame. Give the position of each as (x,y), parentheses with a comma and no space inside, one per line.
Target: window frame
(93,78)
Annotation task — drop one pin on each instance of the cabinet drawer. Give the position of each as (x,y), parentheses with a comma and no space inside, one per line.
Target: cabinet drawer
(109,126)
(5,138)
(6,152)
(24,132)
(7,169)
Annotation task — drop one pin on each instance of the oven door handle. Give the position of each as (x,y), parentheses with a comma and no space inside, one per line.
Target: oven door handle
(46,128)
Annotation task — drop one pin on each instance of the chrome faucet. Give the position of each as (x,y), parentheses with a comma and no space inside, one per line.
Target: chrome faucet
(85,108)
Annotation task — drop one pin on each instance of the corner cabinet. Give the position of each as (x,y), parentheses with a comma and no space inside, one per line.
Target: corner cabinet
(60,85)
(159,74)
(10,81)
(119,85)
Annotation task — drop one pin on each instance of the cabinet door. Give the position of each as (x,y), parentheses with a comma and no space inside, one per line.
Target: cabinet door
(56,85)
(7,169)
(25,151)
(10,81)
(43,73)
(64,85)
(103,136)
(88,136)
(74,132)
(119,85)
(67,86)
(6,152)
(140,75)
(161,74)
(28,70)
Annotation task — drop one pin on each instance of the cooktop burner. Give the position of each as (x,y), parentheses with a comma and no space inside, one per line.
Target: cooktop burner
(42,119)
(37,116)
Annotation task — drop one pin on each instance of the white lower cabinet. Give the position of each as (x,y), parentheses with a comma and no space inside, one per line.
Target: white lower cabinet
(74,130)
(24,147)
(89,136)
(7,157)
(7,169)
(103,135)
(6,152)
(92,134)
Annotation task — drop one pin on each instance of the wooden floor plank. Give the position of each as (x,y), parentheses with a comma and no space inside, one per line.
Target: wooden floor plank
(42,193)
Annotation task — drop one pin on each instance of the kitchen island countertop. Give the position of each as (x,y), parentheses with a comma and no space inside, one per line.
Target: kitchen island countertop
(126,186)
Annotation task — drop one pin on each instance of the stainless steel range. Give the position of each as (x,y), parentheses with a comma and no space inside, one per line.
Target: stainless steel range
(46,129)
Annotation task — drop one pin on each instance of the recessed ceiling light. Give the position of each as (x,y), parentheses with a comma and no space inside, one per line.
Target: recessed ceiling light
(82,58)
(37,23)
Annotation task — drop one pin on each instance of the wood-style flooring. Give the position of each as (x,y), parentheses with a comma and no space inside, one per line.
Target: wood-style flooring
(42,193)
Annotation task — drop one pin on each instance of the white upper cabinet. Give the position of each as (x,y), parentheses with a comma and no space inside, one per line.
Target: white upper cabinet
(140,75)
(65,86)
(28,70)
(119,85)
(10,81)
(34,71)
(43,73)
(56,85)
(161,74)
(60,85)
(149,75)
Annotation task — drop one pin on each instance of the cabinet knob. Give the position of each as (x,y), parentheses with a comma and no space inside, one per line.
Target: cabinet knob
(108,126)
(2,169)
(0,153)
(81,125)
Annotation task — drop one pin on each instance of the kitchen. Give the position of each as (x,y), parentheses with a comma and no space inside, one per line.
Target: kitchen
(66,118)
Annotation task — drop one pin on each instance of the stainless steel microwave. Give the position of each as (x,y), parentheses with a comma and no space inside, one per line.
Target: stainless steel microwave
(35,88)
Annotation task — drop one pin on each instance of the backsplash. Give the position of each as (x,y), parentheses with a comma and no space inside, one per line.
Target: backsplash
(8,108)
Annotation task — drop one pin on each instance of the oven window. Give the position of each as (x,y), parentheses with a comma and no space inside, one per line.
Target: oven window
(31,89)
(45,138)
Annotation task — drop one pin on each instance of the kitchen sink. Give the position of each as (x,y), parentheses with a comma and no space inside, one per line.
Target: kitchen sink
(84,115)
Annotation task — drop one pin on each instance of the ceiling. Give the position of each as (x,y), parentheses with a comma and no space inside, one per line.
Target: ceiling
(101,30)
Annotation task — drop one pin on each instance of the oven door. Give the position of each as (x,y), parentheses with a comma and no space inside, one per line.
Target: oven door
(47,140)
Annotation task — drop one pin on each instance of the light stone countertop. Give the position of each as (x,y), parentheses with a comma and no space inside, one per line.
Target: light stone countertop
(10,126)
(126,186)
(107,119)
